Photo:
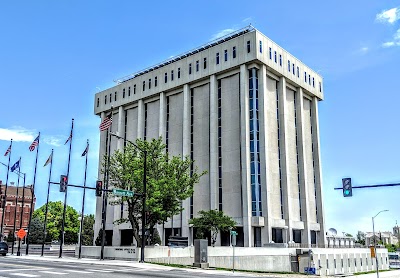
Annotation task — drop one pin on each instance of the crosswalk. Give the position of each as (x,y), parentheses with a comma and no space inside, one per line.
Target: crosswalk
(54,272)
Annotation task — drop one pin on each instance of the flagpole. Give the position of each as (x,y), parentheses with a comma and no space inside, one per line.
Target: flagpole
(104,212)
(66,191)
(83,201)
(47,204)
(15,211)
(33,196)
(22,215)
(3,205)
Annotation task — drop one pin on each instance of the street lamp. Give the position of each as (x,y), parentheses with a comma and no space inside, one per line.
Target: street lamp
(143,195)
(373,232)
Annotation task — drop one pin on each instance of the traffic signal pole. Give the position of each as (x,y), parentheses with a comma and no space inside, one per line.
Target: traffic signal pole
(347,186)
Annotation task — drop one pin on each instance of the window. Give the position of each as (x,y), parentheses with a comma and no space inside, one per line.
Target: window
(98,102)
(305,77)
(165,77)
(155,81)
(134,89)
(260,46)
(313,82)
(179,72)
(277,235)
(226,55)
(144,86)
(149,83)
(298,72)
(234,52)
(320,87)
(288,66)
(205,63)
(129,91)
(293,68)
(217,58)
(280,59)
(270,53)
(110,97)
(123,93)
(248,46)
(197,65)
(190,68)
(172,75)
(309,79)
(275,57)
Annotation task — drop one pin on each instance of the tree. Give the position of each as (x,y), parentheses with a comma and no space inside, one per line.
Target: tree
(87,230)
(360,238)
(36,235)
(169,181)
(54,221)
(214,221)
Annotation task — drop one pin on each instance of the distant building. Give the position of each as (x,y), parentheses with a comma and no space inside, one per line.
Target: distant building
(13,203)
(382,237)
(340,241)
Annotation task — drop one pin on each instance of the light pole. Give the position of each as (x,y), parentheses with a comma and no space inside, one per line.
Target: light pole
(80,218)
(373,232)
(143,195)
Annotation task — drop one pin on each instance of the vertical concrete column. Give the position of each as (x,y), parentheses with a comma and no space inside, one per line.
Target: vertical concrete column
(163,116)
(140,131)
(283,132)
(317,169)
(306,236)
(185,214)
(99,200)
(213,142)
(116,239)
(264,155)
(245,154)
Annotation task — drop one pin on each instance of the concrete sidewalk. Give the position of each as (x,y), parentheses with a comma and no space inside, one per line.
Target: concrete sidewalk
(117,263)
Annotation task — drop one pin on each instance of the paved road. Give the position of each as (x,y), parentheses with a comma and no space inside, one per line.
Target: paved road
(29,268)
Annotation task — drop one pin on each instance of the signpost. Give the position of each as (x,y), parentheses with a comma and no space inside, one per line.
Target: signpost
(122,192)
(233,242)
(21,233)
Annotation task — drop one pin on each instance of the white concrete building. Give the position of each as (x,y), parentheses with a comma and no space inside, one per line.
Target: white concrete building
(246,111)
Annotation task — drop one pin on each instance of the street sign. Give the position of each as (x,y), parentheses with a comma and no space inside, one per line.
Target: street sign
(372,250)
(21,233)
(123,192)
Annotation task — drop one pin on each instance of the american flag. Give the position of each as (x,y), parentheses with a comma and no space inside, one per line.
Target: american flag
(49,160)
(34,144)
(8,151)
(86,150)
(69,138)
(106,123)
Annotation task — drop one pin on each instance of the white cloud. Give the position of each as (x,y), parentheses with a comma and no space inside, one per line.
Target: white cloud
(17,134)
(389,16)
(247,19)
(388,44)
(52,140)
(394,42)
(364,49)
(222,33)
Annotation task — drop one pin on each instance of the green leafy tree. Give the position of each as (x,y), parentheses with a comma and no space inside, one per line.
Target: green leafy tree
(87,230)
(169,181)
(391,247)
(36,235)
(214,221)
(54,221)
(360,238)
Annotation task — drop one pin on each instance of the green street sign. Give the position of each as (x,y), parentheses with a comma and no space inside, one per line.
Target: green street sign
(122,192)
(234,233)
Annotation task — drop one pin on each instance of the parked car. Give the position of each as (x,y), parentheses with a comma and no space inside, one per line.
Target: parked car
(3,248)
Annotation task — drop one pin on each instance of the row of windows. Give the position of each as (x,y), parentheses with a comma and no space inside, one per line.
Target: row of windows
(219,108)
(279,149)
(297,157)
(349,262)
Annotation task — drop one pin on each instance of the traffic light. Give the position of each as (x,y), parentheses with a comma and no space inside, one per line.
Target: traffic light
(99,188)
(347,188)
(63,183)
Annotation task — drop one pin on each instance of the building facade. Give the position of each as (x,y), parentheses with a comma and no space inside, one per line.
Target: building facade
(17,208)
(246,111)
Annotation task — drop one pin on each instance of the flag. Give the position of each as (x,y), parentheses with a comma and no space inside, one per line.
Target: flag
(69,138)
(48,160)
(86,150)
(8,151)
(34,144)
(15,166)
(106,123)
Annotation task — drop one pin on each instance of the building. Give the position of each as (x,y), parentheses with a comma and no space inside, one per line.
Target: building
(14,207)
(246,111)
(381,238)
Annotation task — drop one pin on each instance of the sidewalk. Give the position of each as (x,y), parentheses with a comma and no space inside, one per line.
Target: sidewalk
(386,274)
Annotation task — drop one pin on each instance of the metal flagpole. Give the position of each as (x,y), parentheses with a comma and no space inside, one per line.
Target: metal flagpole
(47,203)
(15,211)
(66,190)
(3,205)
(33,196)
(22,216)
(83,201)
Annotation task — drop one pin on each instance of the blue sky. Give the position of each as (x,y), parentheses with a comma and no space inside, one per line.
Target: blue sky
(55,55)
